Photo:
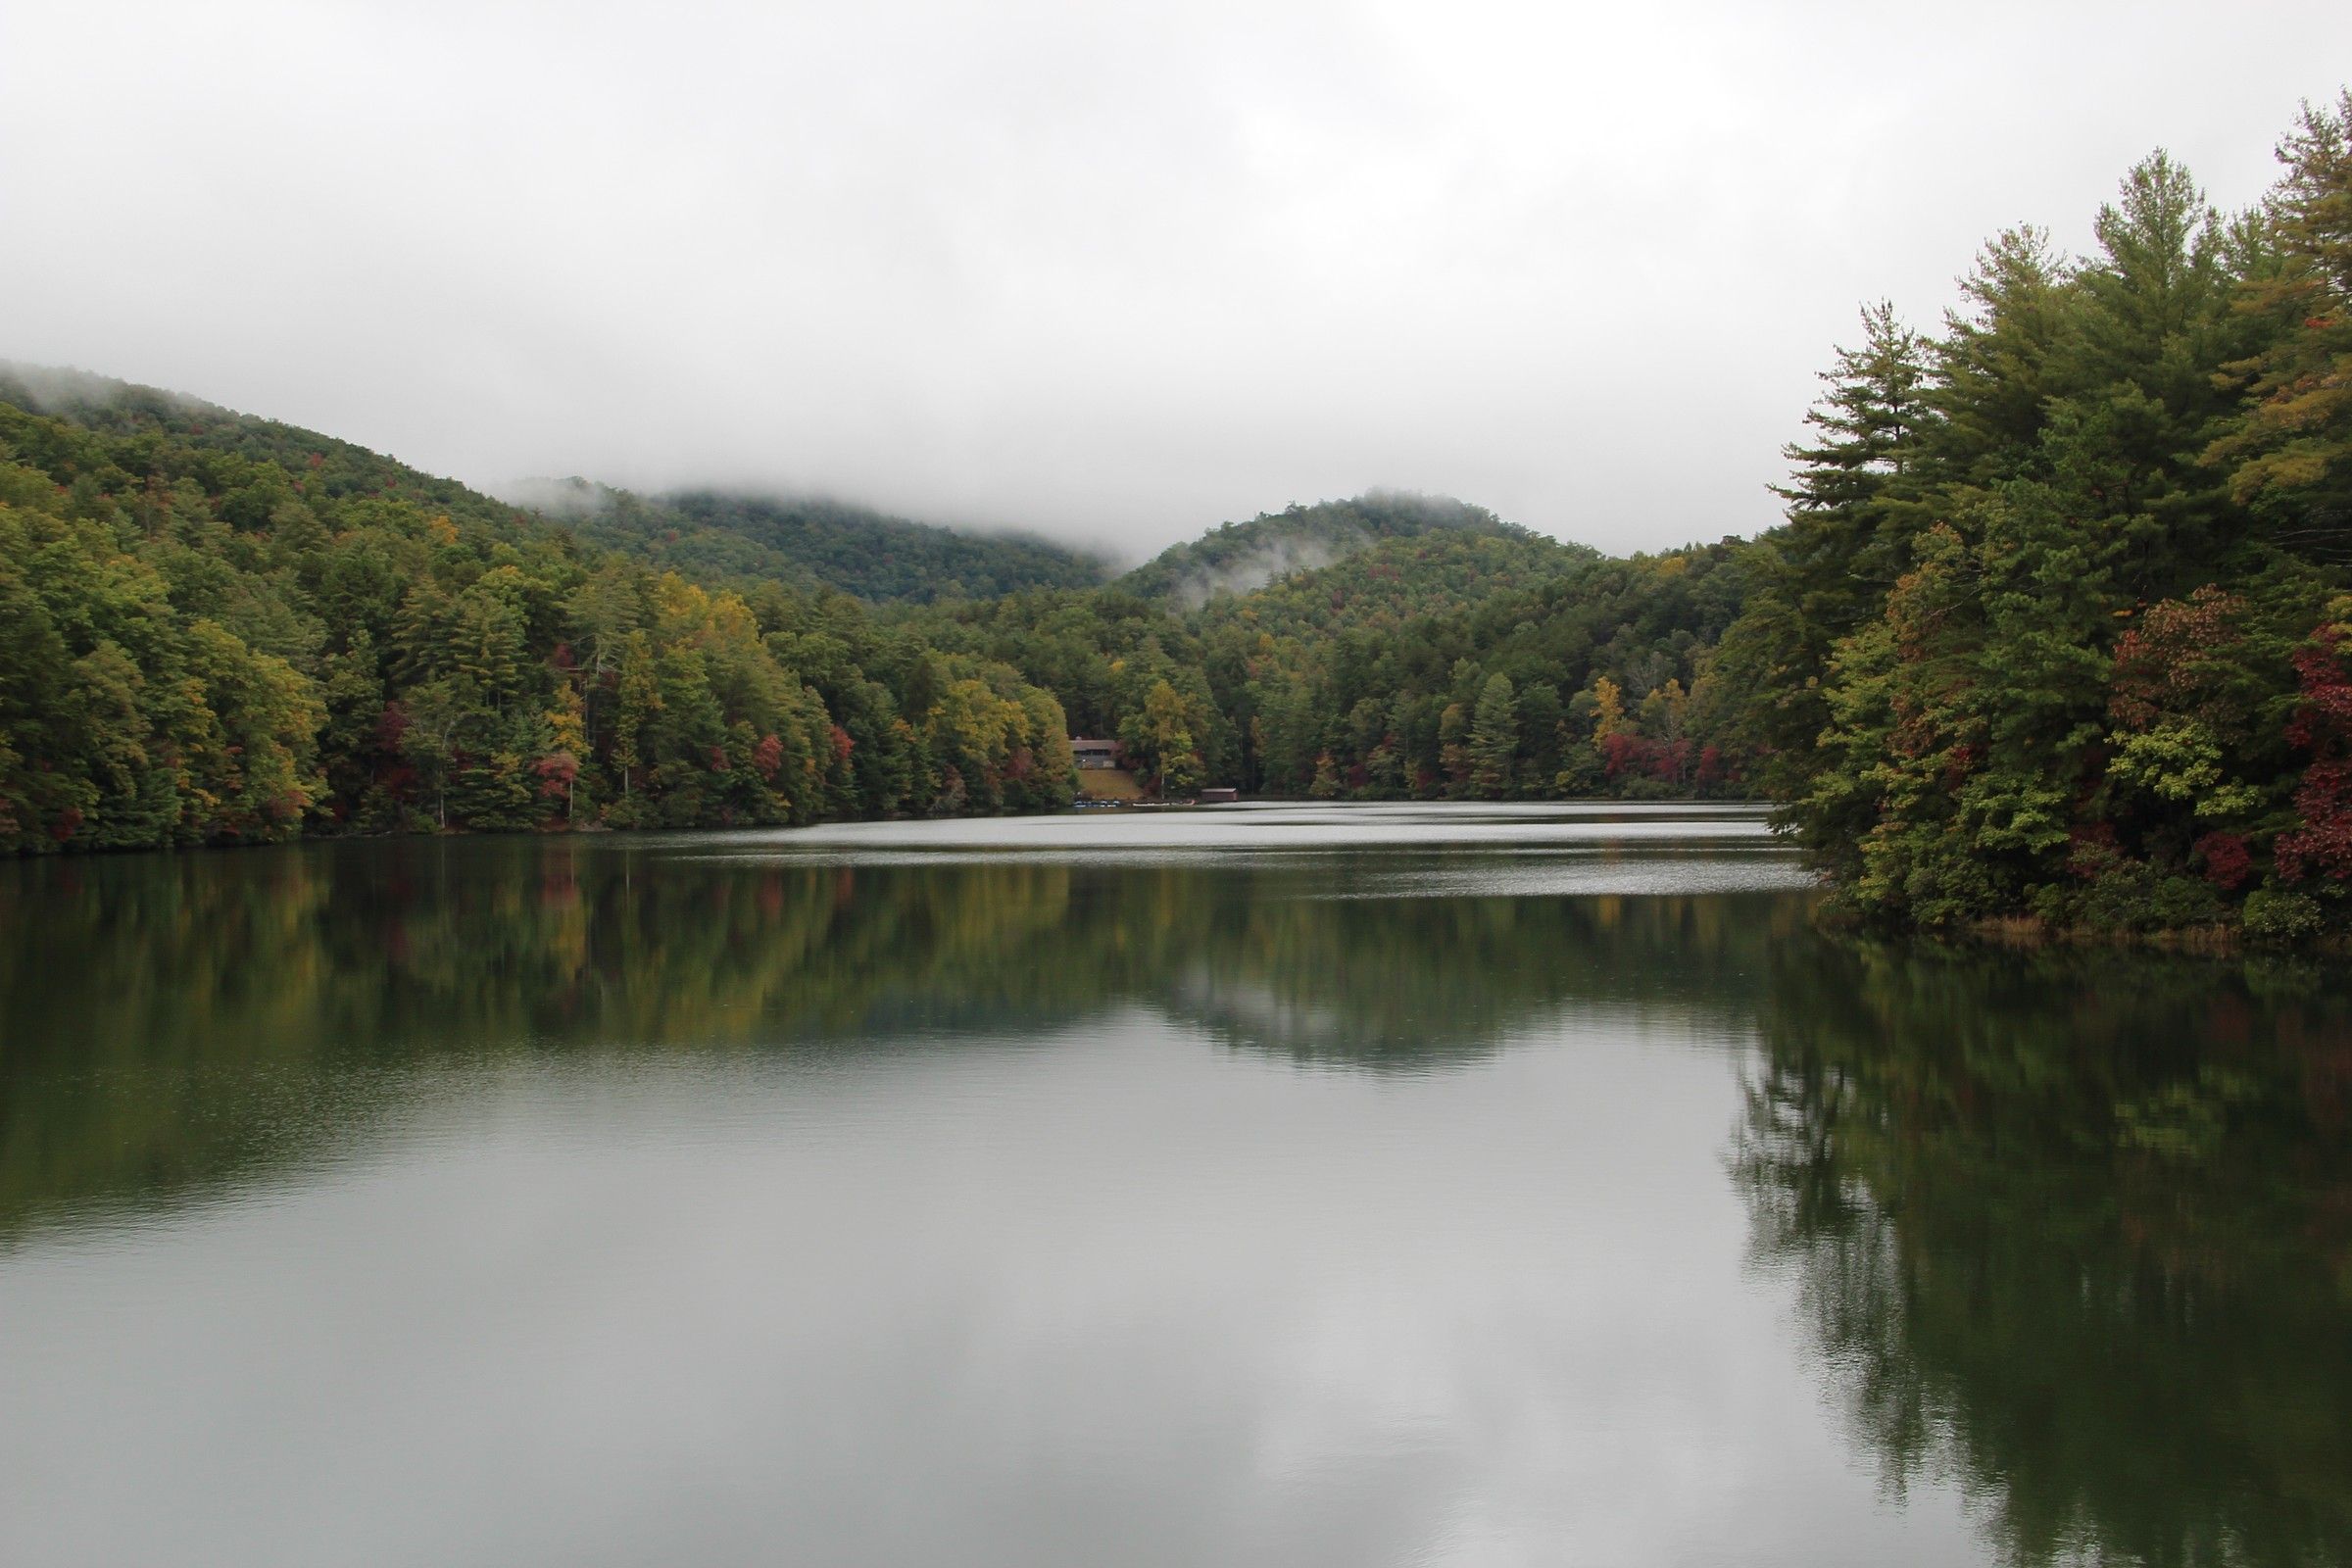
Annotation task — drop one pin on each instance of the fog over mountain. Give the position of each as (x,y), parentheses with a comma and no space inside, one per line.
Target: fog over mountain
(1113,272)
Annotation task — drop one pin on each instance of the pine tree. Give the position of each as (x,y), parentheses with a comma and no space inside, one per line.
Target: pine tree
(2152,324)
(1494,737)
(1453,751)
(1326,786)
(1854,509)
(640,698)
(1993,373)
(2290,455)
(1848,522)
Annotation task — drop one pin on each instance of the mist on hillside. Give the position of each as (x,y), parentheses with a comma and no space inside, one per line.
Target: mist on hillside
(1109,273)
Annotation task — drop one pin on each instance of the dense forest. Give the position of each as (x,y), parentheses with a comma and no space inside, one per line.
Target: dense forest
(225,630)
(1437,654)
(2055,629)
(217,629)
(813,544)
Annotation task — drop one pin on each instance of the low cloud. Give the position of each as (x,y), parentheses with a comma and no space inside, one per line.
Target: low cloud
(1109,273)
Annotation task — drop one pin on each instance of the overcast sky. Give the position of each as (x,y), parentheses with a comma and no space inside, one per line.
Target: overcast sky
(1114,271)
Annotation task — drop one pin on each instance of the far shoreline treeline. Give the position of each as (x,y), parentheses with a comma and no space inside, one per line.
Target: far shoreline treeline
(2054,634)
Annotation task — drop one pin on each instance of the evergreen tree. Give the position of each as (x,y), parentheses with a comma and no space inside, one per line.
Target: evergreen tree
(1494,739)
(1854,505)
(639,701)
(1994,371)
(1850,497)
(2289,452)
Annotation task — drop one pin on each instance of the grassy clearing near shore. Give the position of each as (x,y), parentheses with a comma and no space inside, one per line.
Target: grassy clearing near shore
(1108,784)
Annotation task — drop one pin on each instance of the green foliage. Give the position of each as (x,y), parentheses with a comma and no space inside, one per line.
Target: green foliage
(2070,1232)
(712,536)
(219,629)
(2046,630)
(457,662)
(1240,557)
(2289,453)
(1494,737)
(1336,680)
(2277,917)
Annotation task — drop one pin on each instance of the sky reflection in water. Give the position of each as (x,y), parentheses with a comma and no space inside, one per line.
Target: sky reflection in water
(1348,1187)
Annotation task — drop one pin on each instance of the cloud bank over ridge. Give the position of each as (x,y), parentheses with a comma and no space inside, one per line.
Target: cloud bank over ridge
(1115,273)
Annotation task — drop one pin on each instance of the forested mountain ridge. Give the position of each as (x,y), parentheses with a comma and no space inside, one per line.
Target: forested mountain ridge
(1394,579)
(1553,671)
(1239,558)
(709,536)
(872,554)
(1449,661)
(738,540)
(327,467)
(225,628)
(221,629)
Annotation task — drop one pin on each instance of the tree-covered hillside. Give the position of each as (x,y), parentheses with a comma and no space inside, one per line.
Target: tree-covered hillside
(1239,558)
(869,554)
(1554,671)
(221,629)
(1471,661)
(2059,623)
(2059,627)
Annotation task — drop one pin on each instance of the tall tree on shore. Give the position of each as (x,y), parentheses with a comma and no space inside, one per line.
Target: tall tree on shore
(1853,511)
(1494,737)
(2289,455)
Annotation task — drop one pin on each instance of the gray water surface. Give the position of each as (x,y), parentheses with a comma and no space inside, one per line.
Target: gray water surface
(1285,1186)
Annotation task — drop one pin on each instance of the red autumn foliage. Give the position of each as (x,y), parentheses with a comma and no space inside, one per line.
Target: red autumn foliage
(2227,863)
(390,725)
(556,771)
(1668,762)
(2324,842)
(2322,727)
(2092,852)
(2325,719)
(767,757)
(2170,664)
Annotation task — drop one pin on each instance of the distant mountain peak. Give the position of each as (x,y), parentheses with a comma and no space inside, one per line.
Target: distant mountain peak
(1240,557)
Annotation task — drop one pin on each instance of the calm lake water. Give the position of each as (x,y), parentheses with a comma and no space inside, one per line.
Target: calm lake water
(1274,1186)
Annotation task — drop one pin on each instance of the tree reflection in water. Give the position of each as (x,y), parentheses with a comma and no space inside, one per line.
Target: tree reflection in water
(173,1022)
(2077,1231)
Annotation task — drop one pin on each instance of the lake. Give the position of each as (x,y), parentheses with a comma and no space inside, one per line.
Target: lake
(1287,1185)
